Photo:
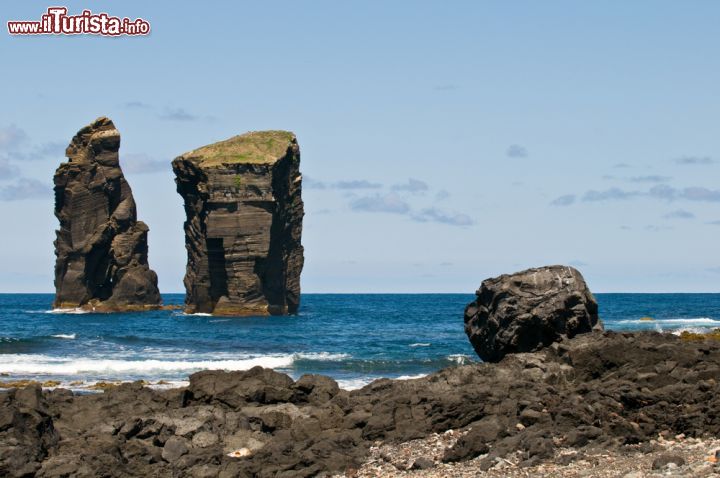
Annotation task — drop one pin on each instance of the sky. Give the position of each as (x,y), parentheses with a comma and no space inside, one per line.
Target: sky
(442,143)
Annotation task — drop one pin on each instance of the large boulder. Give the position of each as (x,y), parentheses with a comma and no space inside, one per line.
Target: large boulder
(529,310)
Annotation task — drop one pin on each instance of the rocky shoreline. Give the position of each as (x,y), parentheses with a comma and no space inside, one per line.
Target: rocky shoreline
(598,394)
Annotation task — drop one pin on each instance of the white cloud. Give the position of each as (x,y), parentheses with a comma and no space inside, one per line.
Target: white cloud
(436,215)
(517,151)
(11,137)
(412,185)
(25,188)
(390,203)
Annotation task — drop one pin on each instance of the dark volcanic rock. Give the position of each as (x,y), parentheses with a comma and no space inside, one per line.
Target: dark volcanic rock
(26,431)
(101,247)
(244,221)
(528,310)
(423,463)
(598,390)
(604,390)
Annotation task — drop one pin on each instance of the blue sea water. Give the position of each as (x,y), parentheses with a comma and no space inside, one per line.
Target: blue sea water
(354,338)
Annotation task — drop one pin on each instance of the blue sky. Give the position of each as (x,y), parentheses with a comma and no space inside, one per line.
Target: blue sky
(442,142)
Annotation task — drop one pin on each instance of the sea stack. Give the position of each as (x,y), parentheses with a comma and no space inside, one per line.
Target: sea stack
(529,310)
(101,247)
(244,222)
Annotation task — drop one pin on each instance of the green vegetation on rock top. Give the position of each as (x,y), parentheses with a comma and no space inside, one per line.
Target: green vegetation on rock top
(254,147)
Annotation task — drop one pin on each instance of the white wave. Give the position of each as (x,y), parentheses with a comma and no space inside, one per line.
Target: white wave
(360,382)
(64,336)
(196,314)
(460,359)
(420,344)
(76,310)
(411,377)
(41,364)
(355,383)
(321,356)
(89,385)
(44,364)
(166,384)
(686,322)
(692,330)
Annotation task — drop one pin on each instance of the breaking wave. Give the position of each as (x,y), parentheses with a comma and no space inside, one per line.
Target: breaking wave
(412,377)
(64,336)
(460,359)
(47,365)
(76,310)
(672,323)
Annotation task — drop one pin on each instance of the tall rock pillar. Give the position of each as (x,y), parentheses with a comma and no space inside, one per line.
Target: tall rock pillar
(244,223)
(101,247)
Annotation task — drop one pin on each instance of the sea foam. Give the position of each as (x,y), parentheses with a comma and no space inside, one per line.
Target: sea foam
(76,310)
(64,336)
(460,359)
(698,321)
(321,356)
(411,377)
(42,364)
(355,383)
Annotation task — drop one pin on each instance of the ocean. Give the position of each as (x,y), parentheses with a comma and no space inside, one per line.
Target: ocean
(354,338)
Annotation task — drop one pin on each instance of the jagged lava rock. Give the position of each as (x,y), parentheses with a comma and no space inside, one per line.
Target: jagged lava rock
(101,247)
(529,310)
(244,223)
(602,391)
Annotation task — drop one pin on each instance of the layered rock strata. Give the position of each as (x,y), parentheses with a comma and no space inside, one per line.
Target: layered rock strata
(244,222)
(101,247)
(528,310)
